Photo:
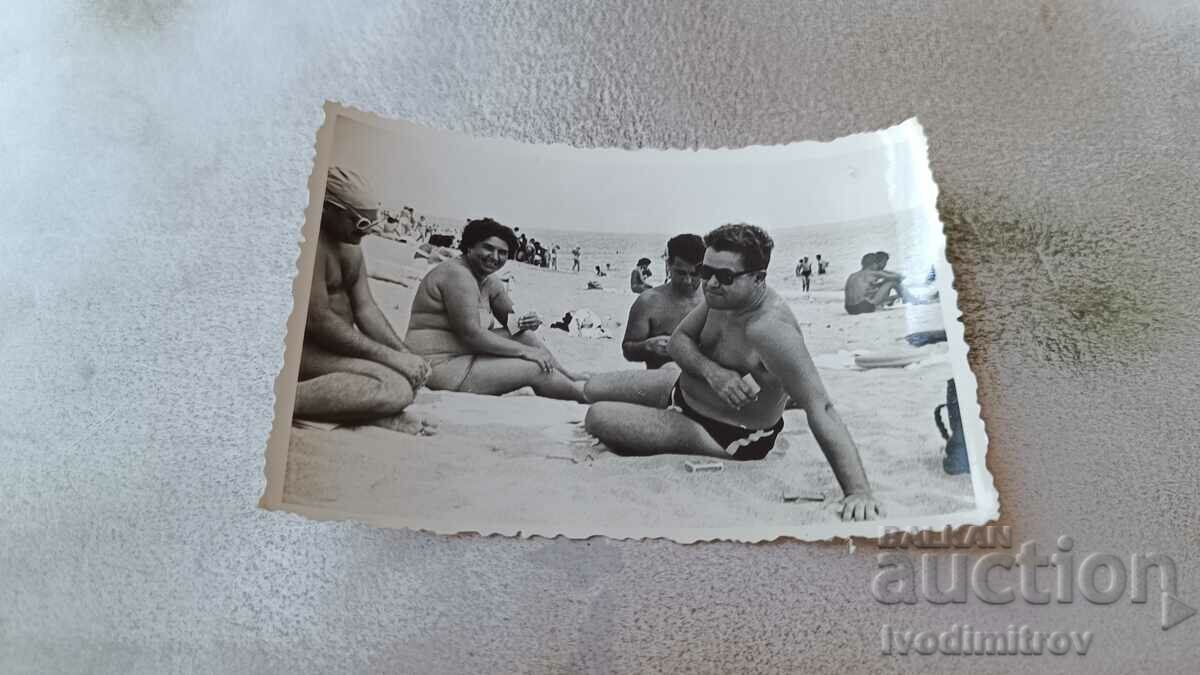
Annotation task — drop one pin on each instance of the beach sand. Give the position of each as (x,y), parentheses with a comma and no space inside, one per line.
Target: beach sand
(522,463)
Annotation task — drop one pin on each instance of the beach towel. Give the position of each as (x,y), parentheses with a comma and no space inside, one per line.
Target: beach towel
(587,324)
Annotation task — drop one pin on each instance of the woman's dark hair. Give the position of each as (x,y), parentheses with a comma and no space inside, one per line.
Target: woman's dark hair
(483,228)
(751,241)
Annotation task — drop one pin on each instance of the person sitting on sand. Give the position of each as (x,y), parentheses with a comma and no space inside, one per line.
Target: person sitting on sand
(871,287)
(452,324)
(741,354)
(639,276)
(657,312)
(354,368)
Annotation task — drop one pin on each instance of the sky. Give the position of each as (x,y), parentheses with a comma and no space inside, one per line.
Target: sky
(454,176)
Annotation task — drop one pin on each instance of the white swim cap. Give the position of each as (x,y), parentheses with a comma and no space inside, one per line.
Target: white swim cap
(350,188)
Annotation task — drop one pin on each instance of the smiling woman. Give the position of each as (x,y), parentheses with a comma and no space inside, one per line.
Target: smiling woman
(459,324)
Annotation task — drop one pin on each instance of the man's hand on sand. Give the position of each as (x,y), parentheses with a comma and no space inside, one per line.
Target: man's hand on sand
(414,369)
(861,506)
(541,357)
(529,321)
(731,387)
(659,345)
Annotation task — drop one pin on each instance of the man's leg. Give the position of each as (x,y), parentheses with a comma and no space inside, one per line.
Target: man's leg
(629,429)
(644,387)
(497,375)
(346,390)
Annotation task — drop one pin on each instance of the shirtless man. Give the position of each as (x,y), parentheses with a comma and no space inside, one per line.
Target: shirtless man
(657,312)
(872,287)
(742,328)
(353,367)
(461,323)
(639,276)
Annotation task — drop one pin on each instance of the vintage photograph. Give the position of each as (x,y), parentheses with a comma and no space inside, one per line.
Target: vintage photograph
(507,338)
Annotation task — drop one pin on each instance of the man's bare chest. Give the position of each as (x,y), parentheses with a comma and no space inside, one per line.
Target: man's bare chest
(666,317)
(339,275)
(725,342)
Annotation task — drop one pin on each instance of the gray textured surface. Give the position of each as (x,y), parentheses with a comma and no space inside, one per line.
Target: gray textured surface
(156,161)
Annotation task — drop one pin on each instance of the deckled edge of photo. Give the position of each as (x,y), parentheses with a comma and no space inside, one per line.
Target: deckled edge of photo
(987,499)
(275,467)
(985,495)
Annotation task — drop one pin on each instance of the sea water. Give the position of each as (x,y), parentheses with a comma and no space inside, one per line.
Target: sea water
(912,241)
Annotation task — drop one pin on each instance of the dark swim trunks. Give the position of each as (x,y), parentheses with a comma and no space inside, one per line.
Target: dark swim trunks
(861,307)
(740,444)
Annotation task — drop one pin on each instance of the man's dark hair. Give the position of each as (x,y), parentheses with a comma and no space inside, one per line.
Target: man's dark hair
(483,228)
(687,247)
(642,262)
(868,259)
(752,242)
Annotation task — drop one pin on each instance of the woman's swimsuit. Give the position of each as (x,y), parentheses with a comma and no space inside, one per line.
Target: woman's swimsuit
(740,443)
(436,360)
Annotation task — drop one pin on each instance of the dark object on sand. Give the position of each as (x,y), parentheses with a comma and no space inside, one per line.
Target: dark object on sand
(955,462)
(925,337)
(564,324)
(437,240)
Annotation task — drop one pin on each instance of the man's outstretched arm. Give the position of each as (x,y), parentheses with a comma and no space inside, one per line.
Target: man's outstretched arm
(783,352)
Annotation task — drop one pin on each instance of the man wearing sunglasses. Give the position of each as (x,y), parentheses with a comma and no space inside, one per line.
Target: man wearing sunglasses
(741,355)
(354,368)
(657,312)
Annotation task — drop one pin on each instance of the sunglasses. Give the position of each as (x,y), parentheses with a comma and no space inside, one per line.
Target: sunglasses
(724,276)
(363,223)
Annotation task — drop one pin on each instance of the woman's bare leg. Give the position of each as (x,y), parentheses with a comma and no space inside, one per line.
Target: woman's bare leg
(528,337)
(497,375)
